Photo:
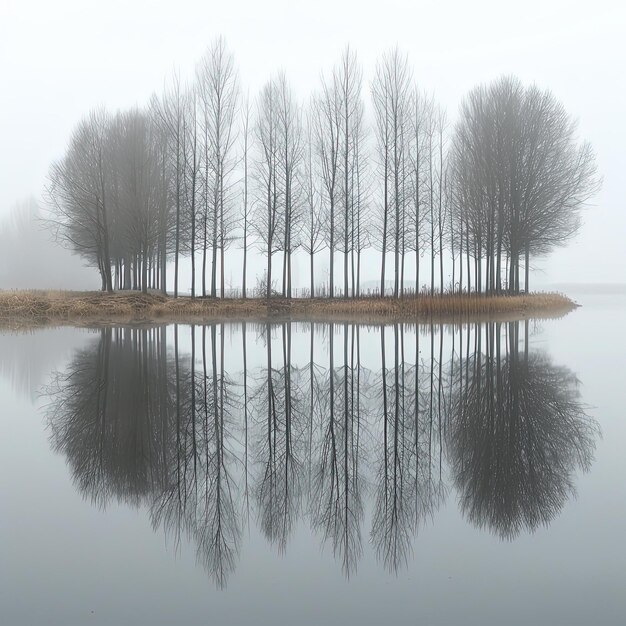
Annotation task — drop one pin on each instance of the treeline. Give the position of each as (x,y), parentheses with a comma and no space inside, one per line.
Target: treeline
(364,455)
(203,168)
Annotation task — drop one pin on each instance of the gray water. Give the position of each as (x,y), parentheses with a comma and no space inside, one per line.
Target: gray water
(316,474)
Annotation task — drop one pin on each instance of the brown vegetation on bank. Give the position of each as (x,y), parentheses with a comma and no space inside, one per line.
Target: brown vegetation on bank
(34,308)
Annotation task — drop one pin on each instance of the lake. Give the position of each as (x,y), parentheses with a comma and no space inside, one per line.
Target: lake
(316,473)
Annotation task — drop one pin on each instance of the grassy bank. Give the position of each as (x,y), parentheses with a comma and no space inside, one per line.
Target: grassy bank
(34,308)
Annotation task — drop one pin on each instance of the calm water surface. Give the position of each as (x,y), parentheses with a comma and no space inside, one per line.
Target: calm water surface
(316,474)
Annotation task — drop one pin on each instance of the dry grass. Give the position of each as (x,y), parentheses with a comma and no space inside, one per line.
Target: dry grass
(34,308)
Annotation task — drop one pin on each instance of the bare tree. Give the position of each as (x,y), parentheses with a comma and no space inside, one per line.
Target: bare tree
(520,177)
(391,96)
(138,192)
(218,90)
(246,205)
(419,161)
(291,153)
(313,215)
(268,218)
(168,114)
(347,79)
(78,195)
(327,116)
(192,164)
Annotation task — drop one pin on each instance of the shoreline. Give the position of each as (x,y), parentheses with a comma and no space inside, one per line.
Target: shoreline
(32,309)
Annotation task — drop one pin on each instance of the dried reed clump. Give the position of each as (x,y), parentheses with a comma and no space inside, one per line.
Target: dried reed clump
(58,307)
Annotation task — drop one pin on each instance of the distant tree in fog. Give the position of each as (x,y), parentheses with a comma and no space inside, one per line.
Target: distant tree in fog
(138,196)
(520,176)
(108,198)
(79,199)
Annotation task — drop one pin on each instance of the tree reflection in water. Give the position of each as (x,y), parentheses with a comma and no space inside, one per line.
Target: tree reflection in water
(279,412)
(145,422)
(337,481)
(518,434)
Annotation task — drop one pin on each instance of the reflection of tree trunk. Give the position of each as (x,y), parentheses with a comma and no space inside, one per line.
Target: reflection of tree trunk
(289,459)
(430,403)
(193,406)
(347,428)
(216,393)
(102,373)
(385,403)
(245,417)
(331,423)
(440,397)
(526,339)
(311,398)
(218,417)
(396,425)
(358,397)
(416,404)
(286,330)
(178,416)
(205,394)
(164,399)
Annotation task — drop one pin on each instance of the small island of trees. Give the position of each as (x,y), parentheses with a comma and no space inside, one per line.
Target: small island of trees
(457,208)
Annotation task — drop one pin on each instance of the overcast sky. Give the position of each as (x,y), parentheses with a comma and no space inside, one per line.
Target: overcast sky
(59,58)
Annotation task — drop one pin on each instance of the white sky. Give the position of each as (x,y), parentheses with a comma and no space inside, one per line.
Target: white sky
(59,58)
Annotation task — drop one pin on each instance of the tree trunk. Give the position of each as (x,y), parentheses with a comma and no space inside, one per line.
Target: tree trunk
(312,295)
(527,269)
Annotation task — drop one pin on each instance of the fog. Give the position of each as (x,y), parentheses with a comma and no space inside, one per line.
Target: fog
(59,60)
(30,258)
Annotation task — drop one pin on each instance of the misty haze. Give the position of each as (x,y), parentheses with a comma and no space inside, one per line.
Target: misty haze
(311,313)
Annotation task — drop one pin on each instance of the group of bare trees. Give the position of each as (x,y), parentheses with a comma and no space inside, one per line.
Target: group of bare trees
(144,187)
(110,201)
(201,168)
